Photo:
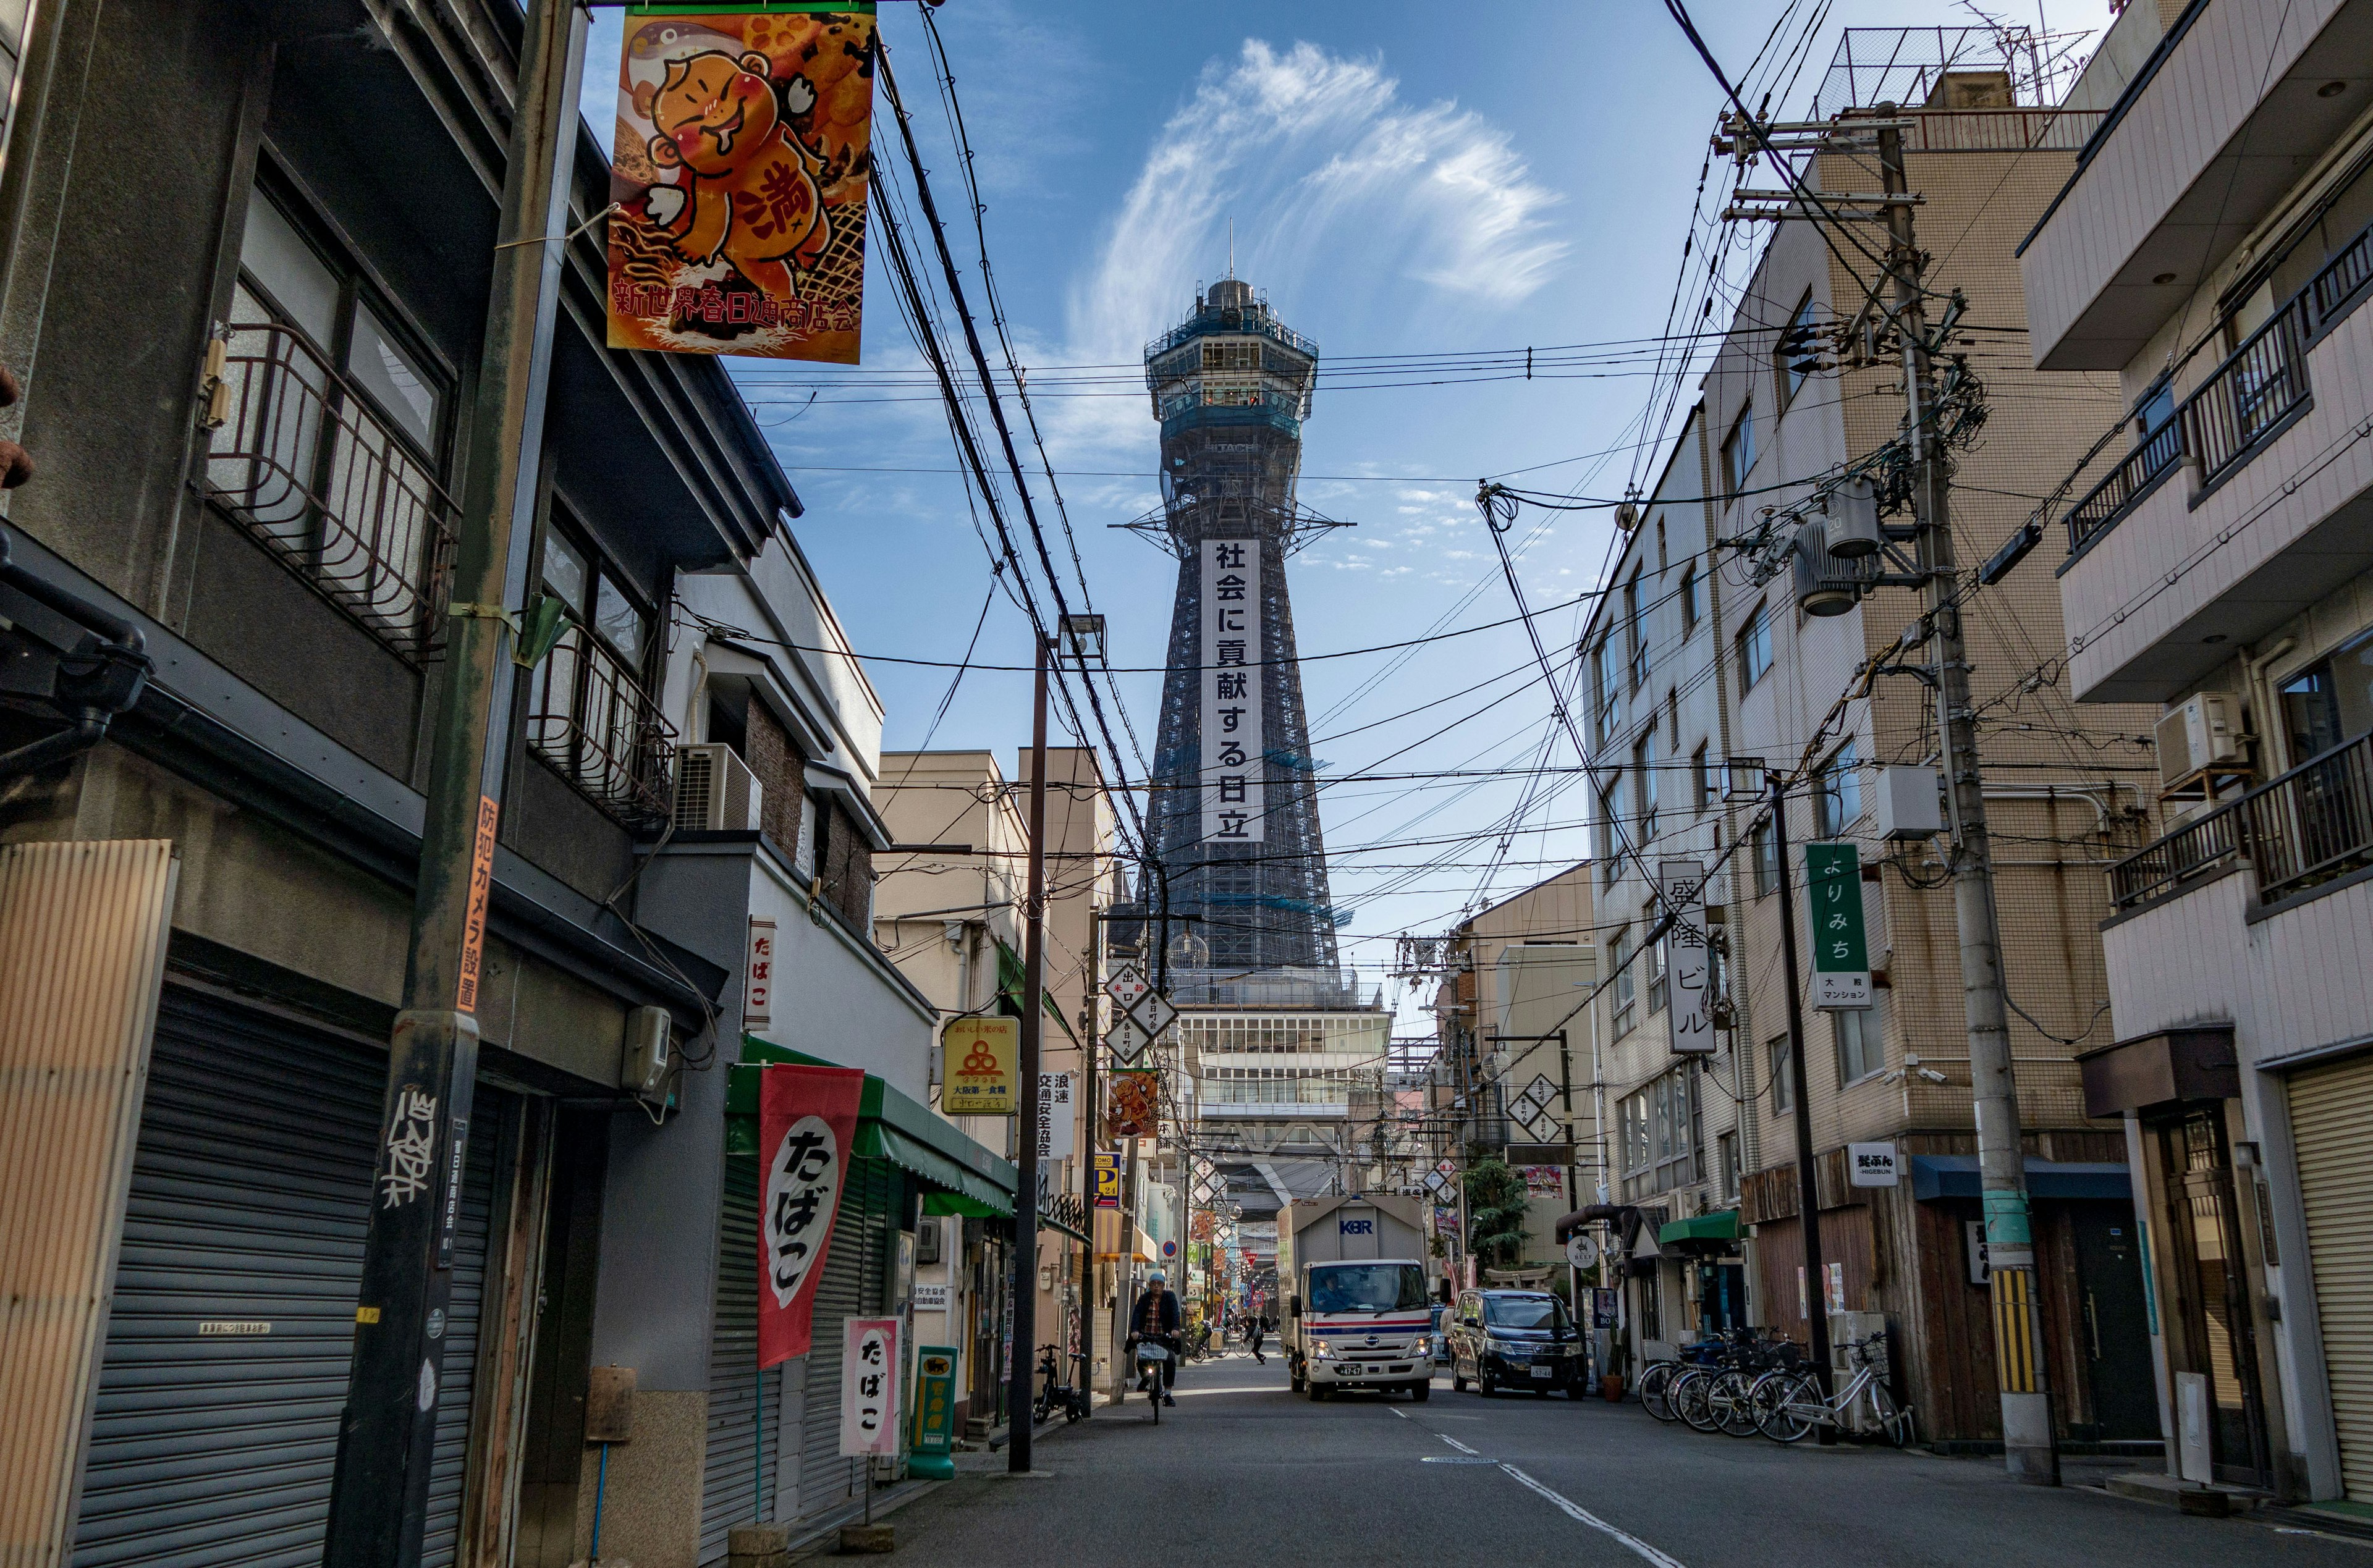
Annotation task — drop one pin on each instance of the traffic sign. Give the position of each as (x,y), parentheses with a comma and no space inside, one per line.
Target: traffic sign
(1170,1249)
(1125,986)
(1540,1090)
(1447,1168)
(1435,1181)
(1153,1012)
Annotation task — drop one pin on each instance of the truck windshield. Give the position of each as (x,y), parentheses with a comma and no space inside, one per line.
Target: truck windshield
(1367,1287)
(1525,1312)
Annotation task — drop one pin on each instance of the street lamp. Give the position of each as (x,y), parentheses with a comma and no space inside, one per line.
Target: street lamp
(1079,638)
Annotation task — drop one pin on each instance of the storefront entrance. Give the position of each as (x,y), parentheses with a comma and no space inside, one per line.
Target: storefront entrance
(2210,1294)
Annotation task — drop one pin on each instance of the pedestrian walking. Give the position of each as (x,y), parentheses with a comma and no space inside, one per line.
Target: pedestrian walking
(1254,1329)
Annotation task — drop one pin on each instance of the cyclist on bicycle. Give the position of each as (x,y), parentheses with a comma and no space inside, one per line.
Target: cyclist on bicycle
(1155,1316)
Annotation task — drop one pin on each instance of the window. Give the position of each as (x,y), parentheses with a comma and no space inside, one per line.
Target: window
(1765,850)
(1672,722)
(1687,596)
(332,449)
(1620,954)
(1701,780)
(1644,785)
(1837,800)
(1755,648)
(590,712)
(1610,689)
(1603,830)
(1660,546)
(1793,349)
(1635,633)
(1862,1050)
(1657,981)
(1726,1164)
(1783,1082)
(2329,701)
(1738,450)
(1660,1131)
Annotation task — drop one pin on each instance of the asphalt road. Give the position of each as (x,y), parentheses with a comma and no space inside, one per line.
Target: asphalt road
(1242,1471)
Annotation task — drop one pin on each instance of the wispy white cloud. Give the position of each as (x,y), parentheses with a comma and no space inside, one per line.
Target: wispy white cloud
(1329,176)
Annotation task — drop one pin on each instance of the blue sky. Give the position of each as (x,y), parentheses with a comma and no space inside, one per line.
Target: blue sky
(1402,179)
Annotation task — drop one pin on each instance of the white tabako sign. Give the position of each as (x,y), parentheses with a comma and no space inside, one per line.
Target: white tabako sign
(1232,680)
(1681,884)
(868,1386)
(1871,1165)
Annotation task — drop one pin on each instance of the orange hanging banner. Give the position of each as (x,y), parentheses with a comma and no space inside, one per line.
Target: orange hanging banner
(739,169)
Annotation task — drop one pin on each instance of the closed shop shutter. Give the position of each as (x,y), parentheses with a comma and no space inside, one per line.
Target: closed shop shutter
(2331,1119)
(851,1287)
(744,1403)
(232,1330)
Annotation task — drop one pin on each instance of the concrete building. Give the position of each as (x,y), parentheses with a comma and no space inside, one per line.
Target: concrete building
(1699,655)
(2212,251)
(249,364)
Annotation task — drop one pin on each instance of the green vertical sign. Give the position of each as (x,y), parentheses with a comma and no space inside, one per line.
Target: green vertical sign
(1840,945)
(935,1413)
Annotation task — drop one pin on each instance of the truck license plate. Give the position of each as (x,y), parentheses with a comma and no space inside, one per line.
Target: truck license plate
(1544,1371)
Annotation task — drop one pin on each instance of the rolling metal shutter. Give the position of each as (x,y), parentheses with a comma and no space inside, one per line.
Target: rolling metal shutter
(232,1327)
(851,1287)
(2331,1117)
(744,1404)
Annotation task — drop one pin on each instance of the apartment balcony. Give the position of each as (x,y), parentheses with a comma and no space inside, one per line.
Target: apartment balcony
(300,461)
(591,719)
(2248,504)
(2211,132)
(2312,826)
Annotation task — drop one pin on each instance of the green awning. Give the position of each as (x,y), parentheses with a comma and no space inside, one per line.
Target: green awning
(1721,1226)
(890,1126)
(1010,975)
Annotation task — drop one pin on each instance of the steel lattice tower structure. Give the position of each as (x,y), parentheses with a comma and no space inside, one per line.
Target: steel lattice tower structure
(1232,385)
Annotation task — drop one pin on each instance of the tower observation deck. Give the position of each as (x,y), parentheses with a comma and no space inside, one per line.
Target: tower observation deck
(1234,822)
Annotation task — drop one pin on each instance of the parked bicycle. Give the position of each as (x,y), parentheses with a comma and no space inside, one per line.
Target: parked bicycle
(1053,1394)
(1657,1382)
(1791,1406)
(1720,1394)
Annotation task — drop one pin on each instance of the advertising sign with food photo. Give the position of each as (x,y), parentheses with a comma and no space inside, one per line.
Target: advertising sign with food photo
(739,174)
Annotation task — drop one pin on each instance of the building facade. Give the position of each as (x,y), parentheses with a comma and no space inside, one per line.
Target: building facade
(2212,252)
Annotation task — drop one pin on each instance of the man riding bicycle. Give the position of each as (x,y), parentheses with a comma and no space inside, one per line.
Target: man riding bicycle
(1155,1317)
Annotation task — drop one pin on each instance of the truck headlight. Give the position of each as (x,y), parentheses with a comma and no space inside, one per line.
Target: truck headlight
(1322,1351)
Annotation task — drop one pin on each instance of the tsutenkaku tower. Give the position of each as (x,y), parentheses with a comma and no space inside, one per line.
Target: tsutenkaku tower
(1235,809)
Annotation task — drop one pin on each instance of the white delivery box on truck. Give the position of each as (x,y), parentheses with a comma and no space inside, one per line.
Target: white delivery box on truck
(1356,1314)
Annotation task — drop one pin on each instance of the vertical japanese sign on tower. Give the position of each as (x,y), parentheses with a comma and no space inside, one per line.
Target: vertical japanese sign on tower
(807,1122)
(1840,948)
(738,175)
(1232,680)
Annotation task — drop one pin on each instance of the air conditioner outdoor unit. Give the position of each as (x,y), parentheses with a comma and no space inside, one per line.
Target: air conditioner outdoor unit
(715,791)
(2202,733)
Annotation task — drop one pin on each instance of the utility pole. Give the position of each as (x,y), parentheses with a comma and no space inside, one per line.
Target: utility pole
(1020,1367)
(1808,1180)
(379,1492)
(2030,1450)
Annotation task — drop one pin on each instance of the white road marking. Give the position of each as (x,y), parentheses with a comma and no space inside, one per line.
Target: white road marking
(1455,1443)
(1575,1512)
(1398,1411)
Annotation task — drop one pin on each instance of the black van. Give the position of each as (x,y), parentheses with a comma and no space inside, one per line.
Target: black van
(1516,1339)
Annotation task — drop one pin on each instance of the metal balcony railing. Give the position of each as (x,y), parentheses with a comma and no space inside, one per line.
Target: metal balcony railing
(590,717)
(304,465)
(2306,827)
(2314,822)
(2199,846)
(2241,403)
(2248,395)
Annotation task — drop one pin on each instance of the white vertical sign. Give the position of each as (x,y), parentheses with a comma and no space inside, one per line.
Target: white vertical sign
(868,1386)
(1681,884)
(1056,1115)
(758,977)
(1232,677)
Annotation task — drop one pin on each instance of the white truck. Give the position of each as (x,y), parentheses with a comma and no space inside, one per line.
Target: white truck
(1356,1314)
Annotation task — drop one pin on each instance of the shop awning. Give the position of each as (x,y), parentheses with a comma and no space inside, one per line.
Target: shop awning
(1955,1176)
(1051,1222)
(1012,975)
(1721,1226)
(963,1177)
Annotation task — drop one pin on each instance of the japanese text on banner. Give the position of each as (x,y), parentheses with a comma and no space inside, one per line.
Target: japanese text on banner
(1233,686)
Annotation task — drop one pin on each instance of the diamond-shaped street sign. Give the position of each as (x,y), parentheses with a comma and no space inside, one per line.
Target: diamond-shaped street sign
(1446,1169)
(1540,1089)
(1125,986)
(1153,1012)
(1542,1129)
(1434,1181)
(1127,1039)
(1527,1103)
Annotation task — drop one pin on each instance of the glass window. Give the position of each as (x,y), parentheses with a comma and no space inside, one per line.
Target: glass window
(565,572)
(2329,701)
(1701,779)
(403,387)
(1644,785)
(1367,1287)
(1526,1312)
(1623,990)
(1860,1050)
(1765,850)
(1688,599)
(304,289)
(1783,1083)
(619,620)
(1837,801)
(1738,450)
(1635,632)
(1656,959)
(1754,648)
(1791,379)
(1726,1164)
(1610,690)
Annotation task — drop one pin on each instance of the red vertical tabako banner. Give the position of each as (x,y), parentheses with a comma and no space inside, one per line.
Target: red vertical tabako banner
(807,1119)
